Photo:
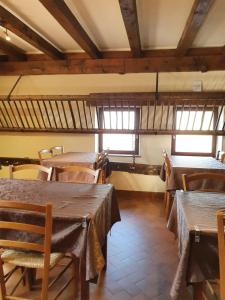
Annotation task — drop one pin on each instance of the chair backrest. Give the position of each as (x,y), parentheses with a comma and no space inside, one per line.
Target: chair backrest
(56,150)
(221,248)
(39,168)
(222,158)
(94,174)
(186,179)
(44,231)
(45,153)
(167,164)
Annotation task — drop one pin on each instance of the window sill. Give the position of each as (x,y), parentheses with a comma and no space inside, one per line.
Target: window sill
(124,155)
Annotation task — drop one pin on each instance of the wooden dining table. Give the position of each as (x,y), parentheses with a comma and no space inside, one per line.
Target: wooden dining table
(90,160)
(193,221)
(193,164)
(83,214)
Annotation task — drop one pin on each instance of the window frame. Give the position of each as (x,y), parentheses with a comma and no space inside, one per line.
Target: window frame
(214,138)
(101,110)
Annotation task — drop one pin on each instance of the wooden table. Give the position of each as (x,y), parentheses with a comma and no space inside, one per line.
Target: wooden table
(91,204)
(193,221)
(192,164)
(86,159)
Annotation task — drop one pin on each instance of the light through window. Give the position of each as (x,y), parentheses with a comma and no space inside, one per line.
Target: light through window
(119,119)
(194,144)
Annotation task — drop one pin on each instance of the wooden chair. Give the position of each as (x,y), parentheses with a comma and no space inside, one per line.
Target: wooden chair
(57,150)
(222,158)
(168,199)
(39,168)
(44,153)
(94,174)
(31,255)
(186,179)
(221,248)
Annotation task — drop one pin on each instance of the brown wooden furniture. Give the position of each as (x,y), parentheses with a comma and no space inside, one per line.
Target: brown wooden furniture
(90,160)
(221,248)
(222,159)
(44,153)
(93,174)
(79,210)
(57,150)
(187,179)
(167,196)
(40,256)
(39,168)
(193,164)
(193,221)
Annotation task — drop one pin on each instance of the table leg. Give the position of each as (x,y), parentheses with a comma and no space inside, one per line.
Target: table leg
(198,291)
(104,251)
(84,284)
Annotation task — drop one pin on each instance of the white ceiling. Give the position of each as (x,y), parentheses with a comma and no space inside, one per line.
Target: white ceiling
(161,23)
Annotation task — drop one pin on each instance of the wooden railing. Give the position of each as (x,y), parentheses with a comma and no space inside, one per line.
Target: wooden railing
(168,113)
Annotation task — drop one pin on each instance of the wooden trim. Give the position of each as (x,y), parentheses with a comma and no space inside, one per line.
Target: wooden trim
(140,194)
(136,168)
(60,11)
(26,33)
(153,64)
(117,131)
(195,20)
(129,13)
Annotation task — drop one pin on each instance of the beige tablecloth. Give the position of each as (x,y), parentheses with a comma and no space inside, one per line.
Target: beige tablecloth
(193,164)
(72,203)
(193,221)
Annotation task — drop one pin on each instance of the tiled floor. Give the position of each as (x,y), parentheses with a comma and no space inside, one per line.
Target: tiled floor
(142,255)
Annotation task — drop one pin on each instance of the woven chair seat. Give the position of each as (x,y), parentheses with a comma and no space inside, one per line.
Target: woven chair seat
(29,259)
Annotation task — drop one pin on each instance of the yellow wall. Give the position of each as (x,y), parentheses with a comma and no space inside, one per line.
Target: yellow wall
(24,145)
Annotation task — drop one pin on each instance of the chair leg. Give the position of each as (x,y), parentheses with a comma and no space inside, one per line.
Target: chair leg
(44,290)
(2,282)
(104,251)
(168,205)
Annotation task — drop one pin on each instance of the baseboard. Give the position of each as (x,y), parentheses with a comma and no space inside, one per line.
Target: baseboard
(140,194)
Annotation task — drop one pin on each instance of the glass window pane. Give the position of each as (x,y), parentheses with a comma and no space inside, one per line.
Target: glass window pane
(119,119)
(123,142)
(194,143)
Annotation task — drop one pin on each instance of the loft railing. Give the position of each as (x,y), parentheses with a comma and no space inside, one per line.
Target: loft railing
(169,113)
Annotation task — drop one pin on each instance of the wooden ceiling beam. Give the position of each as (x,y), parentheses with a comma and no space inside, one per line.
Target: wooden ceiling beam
(15,25)
(129,13)
(12,50)
(195,20)
(201,63)
(60,11)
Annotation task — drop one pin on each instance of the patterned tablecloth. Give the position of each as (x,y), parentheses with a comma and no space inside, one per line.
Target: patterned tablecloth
(193,221)
(72,204)
(87,159)
(193,164)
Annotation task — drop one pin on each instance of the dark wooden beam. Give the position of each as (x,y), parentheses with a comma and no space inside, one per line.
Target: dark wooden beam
(12,50)
(128,54)
(116,131)
(15,25)
(60,11)
(195,20)
(129,13)
(201,63)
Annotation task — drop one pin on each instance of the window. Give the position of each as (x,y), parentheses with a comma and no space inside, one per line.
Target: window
(195,119)
(119,119)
